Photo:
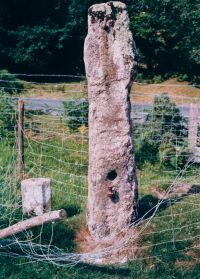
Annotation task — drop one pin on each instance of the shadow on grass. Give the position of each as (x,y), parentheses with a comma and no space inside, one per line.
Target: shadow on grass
(61,234)
(148,203)
(64,234)
(72,210)
(195,189)
(147,206)
(105,270)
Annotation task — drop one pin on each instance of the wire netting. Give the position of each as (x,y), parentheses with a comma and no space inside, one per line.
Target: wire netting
(56,146)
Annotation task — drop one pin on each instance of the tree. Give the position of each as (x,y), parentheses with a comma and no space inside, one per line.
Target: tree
(167,34)
(49,35)
(165,119)
(164,130)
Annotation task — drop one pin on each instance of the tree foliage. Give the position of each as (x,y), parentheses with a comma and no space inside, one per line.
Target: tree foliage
(167,34)
(48,35)
(165,135)
(165,119)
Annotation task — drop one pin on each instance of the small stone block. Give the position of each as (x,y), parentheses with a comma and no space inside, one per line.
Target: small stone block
(36,195)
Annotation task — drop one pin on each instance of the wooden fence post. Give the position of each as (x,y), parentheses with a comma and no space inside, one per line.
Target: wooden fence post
(21,138)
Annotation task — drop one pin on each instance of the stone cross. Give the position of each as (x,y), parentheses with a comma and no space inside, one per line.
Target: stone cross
(109,55)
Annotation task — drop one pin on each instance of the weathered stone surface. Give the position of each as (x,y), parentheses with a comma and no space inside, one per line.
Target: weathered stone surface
(193,132)
(109,56)
(36,195)
(193,126)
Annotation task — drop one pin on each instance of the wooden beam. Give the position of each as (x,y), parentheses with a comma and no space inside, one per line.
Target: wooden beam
(33,222)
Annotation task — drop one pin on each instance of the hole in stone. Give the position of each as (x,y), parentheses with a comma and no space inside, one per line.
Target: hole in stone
(111,175)
(115,197)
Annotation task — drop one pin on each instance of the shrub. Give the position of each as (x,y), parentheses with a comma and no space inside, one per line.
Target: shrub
(76,113)
(173,157)
(145,149)
(9,83)
(139,77)
(196,81)
(164,124)
(8,116)
(157,79)
(182,77)
(165,118)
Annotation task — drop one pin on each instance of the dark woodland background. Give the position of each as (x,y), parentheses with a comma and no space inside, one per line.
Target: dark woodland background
(47,36)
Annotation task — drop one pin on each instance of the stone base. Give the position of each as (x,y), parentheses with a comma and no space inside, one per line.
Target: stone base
(36,195)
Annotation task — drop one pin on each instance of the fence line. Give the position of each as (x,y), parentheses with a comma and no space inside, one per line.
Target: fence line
(52,149)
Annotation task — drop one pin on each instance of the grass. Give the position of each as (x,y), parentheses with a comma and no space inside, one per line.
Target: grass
(52,151)
(167,248)
(58,91)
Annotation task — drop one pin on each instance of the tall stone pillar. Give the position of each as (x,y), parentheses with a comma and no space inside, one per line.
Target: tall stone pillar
(109,56)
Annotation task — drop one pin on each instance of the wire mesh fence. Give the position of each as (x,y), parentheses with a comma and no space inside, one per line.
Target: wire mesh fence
(55,135)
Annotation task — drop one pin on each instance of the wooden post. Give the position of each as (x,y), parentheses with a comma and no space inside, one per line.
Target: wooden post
(21,138)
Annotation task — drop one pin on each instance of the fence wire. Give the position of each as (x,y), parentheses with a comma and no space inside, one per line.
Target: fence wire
(56,146)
